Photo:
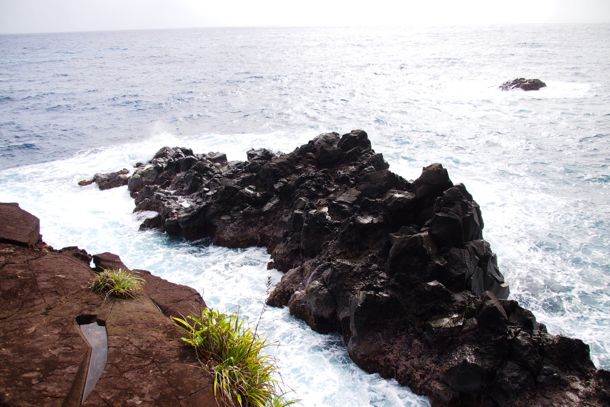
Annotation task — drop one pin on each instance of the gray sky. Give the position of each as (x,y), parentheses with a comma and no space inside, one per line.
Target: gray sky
(23,16)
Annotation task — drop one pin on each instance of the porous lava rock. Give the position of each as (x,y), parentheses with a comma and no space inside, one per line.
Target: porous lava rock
(399,269)
(523,84)
(44,358)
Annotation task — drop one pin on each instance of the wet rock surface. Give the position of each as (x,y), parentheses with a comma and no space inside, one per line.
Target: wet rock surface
(44,358)
(523,84)
(108,180)
(399,269)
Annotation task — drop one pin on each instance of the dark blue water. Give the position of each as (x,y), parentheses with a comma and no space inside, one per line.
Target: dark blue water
(537,162)
(61,93)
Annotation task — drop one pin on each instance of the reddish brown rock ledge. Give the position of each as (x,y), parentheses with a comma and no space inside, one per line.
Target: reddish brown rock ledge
(44,358)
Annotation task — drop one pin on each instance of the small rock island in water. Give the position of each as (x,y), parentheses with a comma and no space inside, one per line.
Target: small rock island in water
(399,269)
(523,84)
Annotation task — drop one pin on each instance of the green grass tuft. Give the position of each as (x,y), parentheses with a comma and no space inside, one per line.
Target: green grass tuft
(243,374)
(117,283)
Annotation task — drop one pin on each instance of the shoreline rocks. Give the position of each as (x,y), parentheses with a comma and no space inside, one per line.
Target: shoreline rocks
(523,84)
(45,295)
(399,269)
(18,226)
(108,180)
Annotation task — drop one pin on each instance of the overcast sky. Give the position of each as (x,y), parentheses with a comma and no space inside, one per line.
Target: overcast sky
(24,16)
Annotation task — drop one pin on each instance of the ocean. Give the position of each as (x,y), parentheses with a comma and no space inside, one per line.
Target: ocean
(537,162)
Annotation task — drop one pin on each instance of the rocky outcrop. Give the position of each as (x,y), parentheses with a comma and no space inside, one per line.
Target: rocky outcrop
(45,295)
(108,180)
(18,226)
(523,84)
(399,269)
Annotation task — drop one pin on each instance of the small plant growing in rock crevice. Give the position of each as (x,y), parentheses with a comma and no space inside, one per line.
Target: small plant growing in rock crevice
(117,283)
(243,374)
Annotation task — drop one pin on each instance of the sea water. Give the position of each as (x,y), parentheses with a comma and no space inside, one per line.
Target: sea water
(537,162)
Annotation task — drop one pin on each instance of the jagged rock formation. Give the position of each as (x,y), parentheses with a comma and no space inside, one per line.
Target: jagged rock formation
(523,84)
(399,269)
(45,294)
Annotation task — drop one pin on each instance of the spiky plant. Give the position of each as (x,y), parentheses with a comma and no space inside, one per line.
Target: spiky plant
(243,374)
(117,283)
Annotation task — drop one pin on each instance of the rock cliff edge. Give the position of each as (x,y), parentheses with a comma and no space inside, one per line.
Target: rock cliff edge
(45,359)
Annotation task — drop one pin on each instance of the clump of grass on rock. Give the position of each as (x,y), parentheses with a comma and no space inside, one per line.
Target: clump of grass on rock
(243,374)
(117,283)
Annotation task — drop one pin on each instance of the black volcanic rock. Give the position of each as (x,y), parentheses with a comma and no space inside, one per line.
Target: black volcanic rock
(523,84)
(399,269)
(108,180)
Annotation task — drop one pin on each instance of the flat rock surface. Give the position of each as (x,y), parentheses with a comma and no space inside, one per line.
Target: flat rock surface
(173,299)
(44,357)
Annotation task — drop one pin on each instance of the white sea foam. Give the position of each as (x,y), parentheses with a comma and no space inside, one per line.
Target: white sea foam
(537,162)
(314,367)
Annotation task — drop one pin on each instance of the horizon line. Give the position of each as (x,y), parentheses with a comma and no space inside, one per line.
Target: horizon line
(376,26)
